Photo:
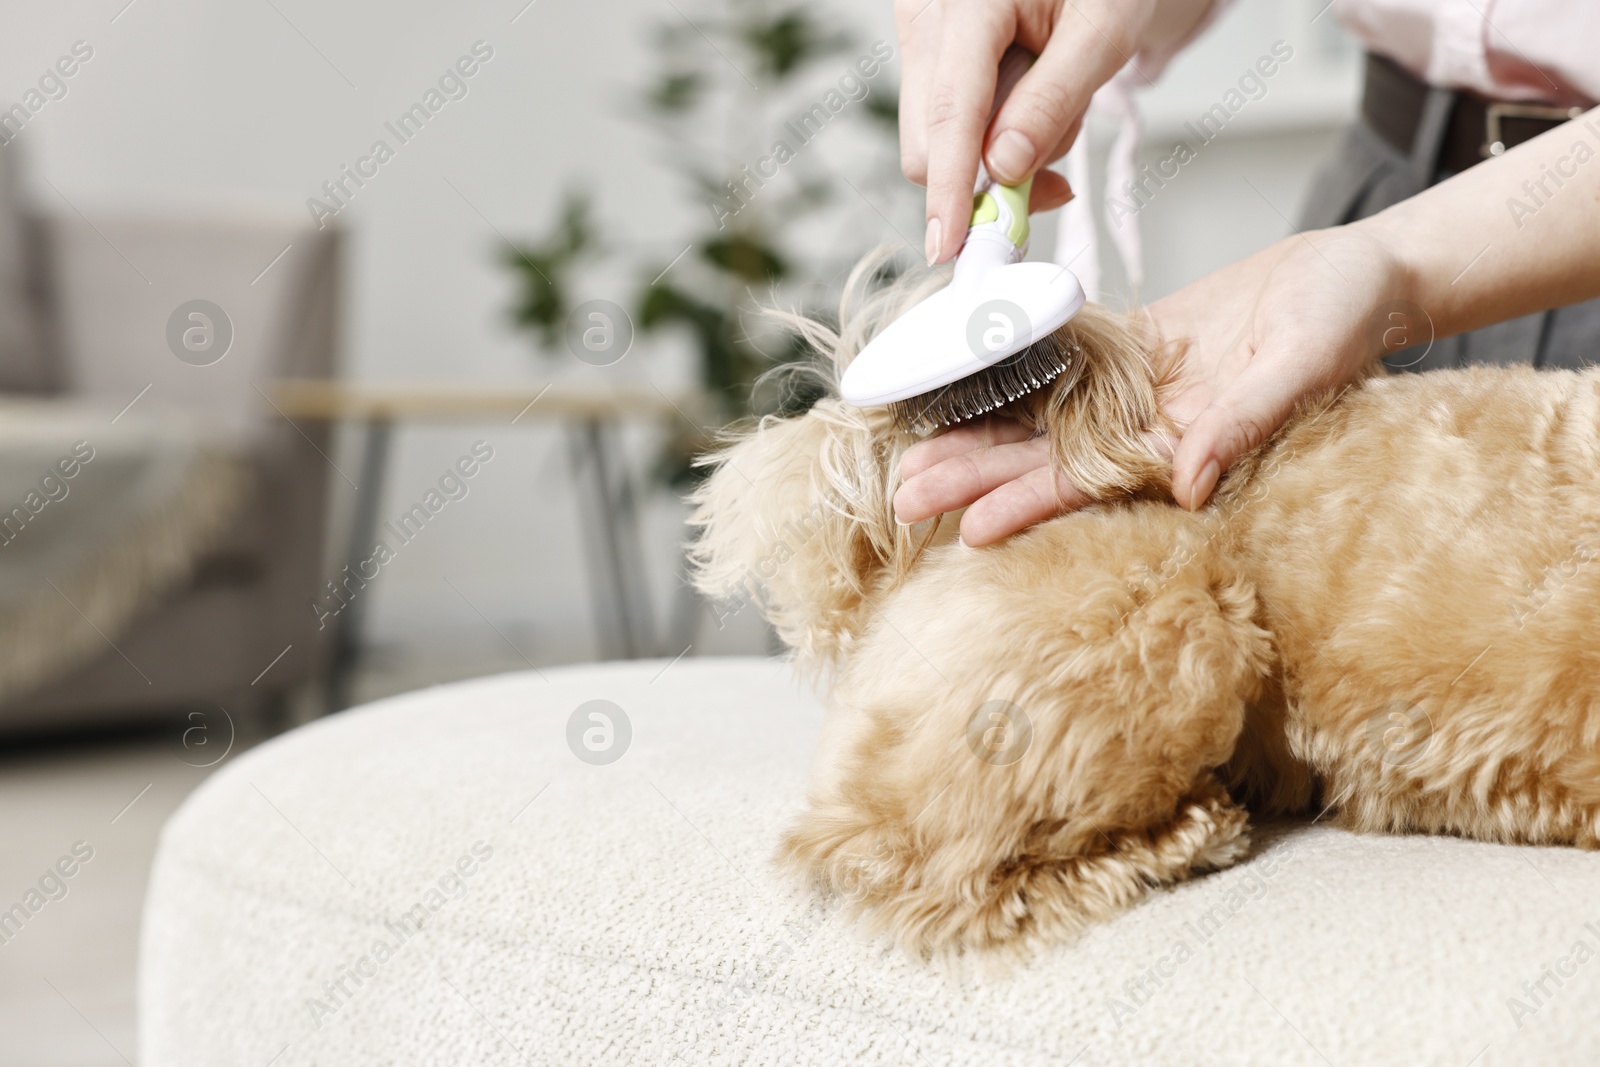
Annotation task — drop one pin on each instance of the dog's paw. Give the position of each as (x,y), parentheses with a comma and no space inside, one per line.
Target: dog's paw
(962,895)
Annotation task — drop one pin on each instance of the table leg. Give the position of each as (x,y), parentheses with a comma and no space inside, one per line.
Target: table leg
(628,550)
(376,435)
(609,516)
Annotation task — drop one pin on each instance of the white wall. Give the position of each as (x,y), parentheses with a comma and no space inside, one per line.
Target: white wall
(188,103)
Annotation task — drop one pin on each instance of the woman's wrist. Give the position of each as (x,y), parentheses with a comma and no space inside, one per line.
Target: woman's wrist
(1411,313)
(1511,236)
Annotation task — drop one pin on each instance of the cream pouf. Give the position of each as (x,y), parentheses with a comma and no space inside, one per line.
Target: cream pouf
(440,878)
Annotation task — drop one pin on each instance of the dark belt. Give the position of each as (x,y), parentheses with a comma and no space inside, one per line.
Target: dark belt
(1392,104)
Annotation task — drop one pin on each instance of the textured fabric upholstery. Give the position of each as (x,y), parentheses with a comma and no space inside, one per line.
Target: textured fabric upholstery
(537,908)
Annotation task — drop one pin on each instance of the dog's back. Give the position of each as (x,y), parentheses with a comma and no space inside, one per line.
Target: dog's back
(1424,550)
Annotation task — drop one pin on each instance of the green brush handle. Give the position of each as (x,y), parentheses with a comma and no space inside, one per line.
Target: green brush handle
(997,207)
(998,233)
(1004,209)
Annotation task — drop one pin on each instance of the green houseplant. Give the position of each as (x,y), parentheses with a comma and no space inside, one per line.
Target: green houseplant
(767,80)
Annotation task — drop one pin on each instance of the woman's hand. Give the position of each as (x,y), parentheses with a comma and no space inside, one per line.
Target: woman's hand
(950,54)
(1301,318)
(1295,320)
(995,468)
(1304,316)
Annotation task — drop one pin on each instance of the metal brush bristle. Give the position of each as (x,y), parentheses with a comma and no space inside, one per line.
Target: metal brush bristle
(978,394)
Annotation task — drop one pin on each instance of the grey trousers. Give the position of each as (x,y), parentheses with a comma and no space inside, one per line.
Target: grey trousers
(1366,175)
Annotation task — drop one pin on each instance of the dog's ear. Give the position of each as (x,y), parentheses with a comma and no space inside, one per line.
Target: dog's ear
(796,517)
(1103,415)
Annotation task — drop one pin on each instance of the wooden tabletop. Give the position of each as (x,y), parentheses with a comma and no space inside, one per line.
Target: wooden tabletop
(332,399)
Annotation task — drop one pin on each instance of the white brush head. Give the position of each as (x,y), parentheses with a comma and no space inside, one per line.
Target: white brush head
(967,327)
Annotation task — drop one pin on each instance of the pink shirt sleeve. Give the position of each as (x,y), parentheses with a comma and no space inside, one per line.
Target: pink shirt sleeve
(1150,62)
(1531,50)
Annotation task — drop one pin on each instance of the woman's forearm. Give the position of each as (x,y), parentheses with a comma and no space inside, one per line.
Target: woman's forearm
(1516,234)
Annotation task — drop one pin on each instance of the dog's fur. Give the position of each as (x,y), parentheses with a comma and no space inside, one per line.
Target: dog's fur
(1388,614)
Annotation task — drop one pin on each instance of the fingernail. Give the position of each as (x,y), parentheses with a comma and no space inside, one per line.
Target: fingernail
(1203,483)
(1010,156)
(898,521)
(931,244)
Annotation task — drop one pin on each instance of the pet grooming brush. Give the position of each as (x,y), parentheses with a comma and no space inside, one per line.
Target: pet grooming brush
(986,338)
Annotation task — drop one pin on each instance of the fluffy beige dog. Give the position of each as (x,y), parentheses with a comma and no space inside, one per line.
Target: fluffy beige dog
(1388,614)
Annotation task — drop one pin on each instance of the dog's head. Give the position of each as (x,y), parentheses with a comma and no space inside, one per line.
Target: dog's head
(797,518)
(797,513)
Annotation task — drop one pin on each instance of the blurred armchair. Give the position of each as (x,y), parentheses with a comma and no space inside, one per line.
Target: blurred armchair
(238,632)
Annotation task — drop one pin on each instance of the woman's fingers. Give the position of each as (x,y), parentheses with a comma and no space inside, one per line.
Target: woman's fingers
(1050,100)
(1064,145)
(1050,191)
(948,96)
(916,25)
(974,35)
(962,478)
(966,437)
(1038,494)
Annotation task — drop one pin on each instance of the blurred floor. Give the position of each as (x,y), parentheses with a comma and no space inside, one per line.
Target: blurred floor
(67,977)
